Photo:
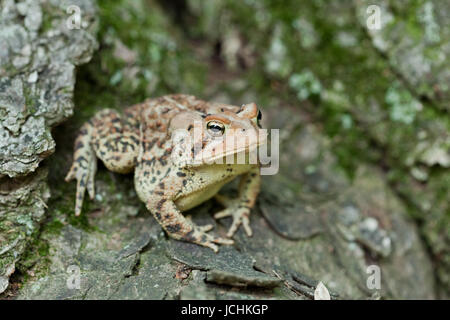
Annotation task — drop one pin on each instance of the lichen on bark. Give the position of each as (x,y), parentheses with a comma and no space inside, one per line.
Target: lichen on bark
(38,57)
(37,69)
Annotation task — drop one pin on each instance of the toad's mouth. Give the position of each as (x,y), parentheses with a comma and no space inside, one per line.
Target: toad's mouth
(202,158)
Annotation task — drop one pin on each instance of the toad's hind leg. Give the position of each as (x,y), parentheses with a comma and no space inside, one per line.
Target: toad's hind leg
(84,166)
(116,139)
(110,137)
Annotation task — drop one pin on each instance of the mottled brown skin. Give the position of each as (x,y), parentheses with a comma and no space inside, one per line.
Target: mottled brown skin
(141,139)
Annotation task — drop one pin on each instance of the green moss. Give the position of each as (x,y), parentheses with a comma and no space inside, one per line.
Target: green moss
(159,65)
(54,226)
(36,258)
(46,22)
(30,100)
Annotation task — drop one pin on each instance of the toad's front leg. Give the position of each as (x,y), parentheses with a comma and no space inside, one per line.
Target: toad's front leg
(180,228)
(240,208)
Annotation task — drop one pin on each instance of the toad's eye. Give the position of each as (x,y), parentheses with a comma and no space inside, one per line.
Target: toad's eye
(215,128)
(258,118)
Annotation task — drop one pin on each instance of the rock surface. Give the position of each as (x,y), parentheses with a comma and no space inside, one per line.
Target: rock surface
(38,57)
(22,208)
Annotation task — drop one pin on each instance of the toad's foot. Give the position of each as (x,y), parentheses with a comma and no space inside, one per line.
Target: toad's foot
(83,168)
(199,236)
(205,228)
(236,209)
(182,228)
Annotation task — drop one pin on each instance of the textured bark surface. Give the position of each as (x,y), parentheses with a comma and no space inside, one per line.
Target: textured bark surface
(37,69)
(38,56)
(364,154)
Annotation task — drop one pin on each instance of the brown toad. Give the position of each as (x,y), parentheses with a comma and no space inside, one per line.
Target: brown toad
(145,139)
